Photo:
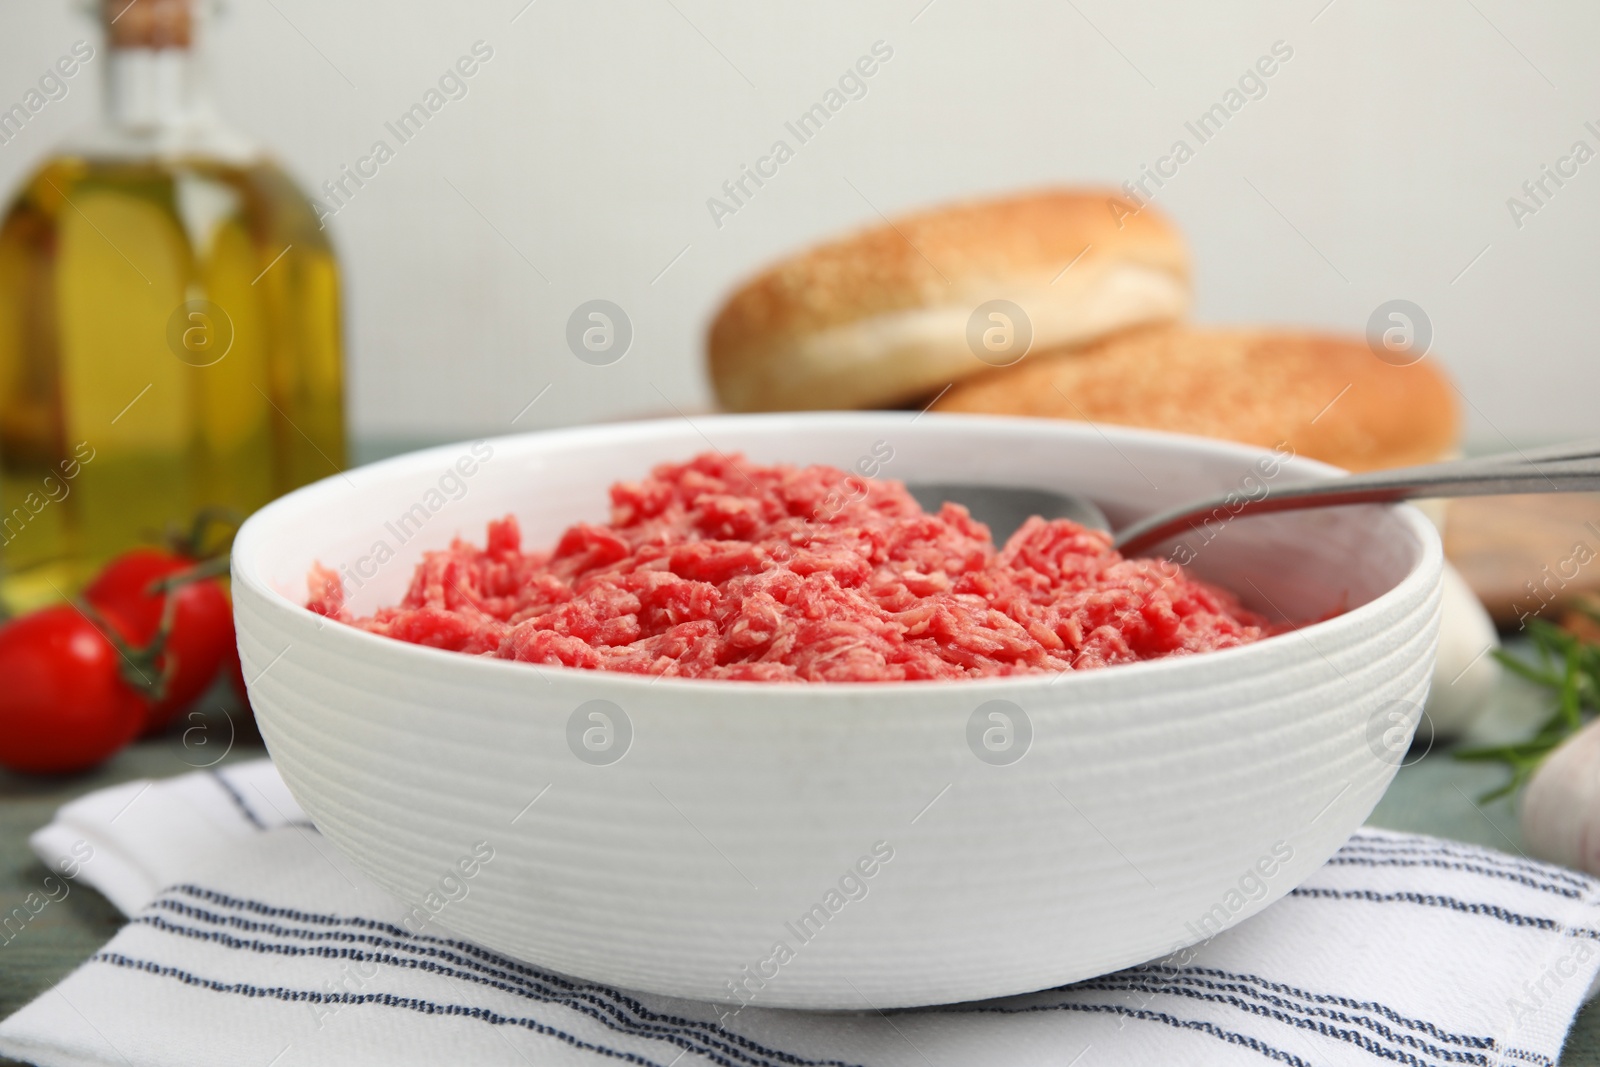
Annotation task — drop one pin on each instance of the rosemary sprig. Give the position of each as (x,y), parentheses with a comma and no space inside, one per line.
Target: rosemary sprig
(1565,664)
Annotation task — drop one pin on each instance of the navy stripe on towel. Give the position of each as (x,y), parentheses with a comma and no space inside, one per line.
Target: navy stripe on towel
(311,996)
(610,1007)
(1435,900)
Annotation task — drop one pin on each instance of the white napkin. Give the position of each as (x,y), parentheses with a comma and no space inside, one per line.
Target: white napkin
(252,941)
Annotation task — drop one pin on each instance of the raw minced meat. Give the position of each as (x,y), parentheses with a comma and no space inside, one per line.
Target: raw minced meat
(719,568)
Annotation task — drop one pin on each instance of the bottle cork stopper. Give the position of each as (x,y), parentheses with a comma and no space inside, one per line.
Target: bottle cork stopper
(149,23)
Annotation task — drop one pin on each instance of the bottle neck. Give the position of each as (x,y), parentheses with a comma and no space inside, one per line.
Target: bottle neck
(151,90)
(158,105)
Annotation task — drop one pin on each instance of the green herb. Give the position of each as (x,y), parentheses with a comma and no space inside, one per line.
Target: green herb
(1566,665)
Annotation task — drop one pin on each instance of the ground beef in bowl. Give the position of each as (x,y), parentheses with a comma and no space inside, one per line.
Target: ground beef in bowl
(719,568)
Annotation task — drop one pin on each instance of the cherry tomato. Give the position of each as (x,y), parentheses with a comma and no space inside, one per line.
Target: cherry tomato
(202,625)
(64,705)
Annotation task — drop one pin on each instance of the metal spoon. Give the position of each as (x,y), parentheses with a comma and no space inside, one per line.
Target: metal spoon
(1003,508)
(1568,468)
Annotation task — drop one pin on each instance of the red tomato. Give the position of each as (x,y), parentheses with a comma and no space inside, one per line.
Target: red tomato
(64,705)
(202,626)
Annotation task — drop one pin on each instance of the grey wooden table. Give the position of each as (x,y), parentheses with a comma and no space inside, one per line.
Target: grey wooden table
(69,930)
(1434,795)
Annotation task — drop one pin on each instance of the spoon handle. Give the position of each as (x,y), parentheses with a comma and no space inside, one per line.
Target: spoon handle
(1568,468)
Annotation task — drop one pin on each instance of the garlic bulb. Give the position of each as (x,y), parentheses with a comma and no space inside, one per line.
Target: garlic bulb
(1561,805)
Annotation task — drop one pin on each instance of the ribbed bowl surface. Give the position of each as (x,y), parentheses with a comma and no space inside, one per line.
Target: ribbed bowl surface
(1153,804)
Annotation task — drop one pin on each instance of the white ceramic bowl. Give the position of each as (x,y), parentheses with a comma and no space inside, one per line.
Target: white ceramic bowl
(1155,803)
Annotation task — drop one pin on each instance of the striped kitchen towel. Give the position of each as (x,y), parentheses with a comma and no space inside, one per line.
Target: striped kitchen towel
(252,941)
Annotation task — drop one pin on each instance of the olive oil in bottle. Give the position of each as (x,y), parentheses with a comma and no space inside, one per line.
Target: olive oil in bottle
(169,323)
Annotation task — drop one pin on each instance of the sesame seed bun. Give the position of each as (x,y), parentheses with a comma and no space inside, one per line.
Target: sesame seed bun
(1327,397)
(882,317)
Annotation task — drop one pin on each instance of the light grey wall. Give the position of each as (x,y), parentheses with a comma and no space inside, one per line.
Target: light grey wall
(1377,165)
